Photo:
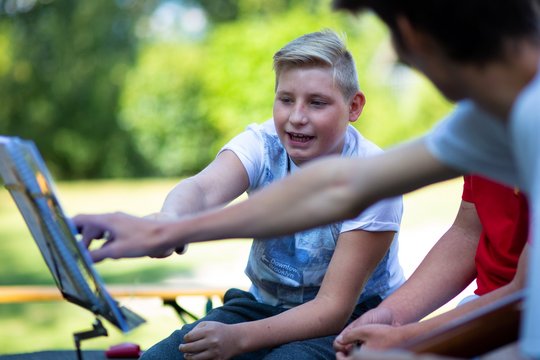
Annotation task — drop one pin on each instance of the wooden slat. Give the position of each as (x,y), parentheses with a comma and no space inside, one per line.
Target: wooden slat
(31,293)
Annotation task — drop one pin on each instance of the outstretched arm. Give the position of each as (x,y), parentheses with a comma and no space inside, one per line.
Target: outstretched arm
(356,256)
(223,180)
(322,192)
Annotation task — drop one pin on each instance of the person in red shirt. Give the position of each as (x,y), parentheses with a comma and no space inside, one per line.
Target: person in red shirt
(504,218)
(487,241)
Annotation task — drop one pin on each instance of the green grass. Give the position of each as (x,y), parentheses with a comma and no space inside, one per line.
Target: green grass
(50,325)
(20,255)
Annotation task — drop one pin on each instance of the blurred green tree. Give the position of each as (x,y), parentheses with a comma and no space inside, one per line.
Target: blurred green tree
(163,108)
(185,98)
(156,87)
(238,75)
(61,81)
(232,10)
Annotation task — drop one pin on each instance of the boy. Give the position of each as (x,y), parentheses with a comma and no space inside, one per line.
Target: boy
(305,285)
(488,62)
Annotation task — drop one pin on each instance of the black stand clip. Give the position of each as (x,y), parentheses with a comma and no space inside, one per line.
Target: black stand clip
(98,330)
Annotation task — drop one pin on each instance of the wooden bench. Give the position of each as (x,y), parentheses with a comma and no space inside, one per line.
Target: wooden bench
(168,294)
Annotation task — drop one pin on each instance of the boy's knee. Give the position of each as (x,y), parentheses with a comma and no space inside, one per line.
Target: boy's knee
(166,349)
(313,349)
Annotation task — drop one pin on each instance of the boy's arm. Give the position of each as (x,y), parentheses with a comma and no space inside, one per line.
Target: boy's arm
(372,334)
(223,180)
(321,192)
(356,256)
(446,270)
(517,283)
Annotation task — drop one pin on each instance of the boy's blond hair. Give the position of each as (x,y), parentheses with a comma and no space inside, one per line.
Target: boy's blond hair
(320,49)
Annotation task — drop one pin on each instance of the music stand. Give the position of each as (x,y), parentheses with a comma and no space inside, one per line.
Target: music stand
(27,178)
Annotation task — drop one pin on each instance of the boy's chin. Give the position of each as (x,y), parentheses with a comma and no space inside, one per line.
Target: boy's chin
(299,160)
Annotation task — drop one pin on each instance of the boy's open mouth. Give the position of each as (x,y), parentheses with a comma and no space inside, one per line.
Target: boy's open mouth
(300,137)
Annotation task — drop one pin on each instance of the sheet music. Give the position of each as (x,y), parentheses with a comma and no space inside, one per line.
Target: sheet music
(30,184)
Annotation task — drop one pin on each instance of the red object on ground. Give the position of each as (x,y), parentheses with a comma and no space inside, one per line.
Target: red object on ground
(124,351)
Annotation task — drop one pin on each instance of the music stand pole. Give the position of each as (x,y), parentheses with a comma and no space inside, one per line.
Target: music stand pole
(97,330)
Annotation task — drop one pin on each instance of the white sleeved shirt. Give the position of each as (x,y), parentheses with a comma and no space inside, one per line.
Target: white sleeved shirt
(288,270)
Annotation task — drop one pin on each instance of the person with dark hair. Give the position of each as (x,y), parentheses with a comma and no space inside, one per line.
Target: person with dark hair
(493,132)
(479,29)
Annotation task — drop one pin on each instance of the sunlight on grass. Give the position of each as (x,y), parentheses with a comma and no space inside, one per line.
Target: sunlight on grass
(42,326)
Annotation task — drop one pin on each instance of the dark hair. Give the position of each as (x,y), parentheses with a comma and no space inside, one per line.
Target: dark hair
(468,30)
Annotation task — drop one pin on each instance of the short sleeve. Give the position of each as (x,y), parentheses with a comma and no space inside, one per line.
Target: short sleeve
(472,141)
(467,189)
(249,148)
(384,215)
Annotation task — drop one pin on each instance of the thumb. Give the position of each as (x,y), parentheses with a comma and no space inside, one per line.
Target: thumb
(195,333)
(352,336)
(90,227)
(100,254)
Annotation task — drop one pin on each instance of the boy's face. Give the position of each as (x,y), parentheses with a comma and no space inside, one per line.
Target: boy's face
(311,114)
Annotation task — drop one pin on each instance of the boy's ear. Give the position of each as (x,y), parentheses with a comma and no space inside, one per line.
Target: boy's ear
(357,105)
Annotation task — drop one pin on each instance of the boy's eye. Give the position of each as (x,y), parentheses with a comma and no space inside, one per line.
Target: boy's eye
(285,100)
(318,103)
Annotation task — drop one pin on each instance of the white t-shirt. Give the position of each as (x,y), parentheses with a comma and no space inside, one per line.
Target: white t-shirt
(288,270)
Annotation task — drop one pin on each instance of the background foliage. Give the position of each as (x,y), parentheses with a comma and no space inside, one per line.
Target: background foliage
(133,88)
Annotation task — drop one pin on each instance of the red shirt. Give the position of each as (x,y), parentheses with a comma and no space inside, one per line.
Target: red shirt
(504,215)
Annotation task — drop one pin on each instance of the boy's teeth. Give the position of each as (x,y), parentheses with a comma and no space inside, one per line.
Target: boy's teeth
(300,137)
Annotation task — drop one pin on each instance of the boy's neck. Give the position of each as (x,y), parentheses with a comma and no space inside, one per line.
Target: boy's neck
(496,86)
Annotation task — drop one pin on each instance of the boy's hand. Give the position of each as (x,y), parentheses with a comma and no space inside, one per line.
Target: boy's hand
(210,340)
(125,236)
(167,216)
(379,315)
(387,355)
(372,336)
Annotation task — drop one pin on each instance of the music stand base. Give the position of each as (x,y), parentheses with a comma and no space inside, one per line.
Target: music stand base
(97,330)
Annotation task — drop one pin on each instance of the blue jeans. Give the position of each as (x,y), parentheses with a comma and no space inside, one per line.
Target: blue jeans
(240,306)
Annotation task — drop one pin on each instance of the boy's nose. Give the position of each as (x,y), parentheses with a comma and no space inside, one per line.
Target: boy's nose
(298,116)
